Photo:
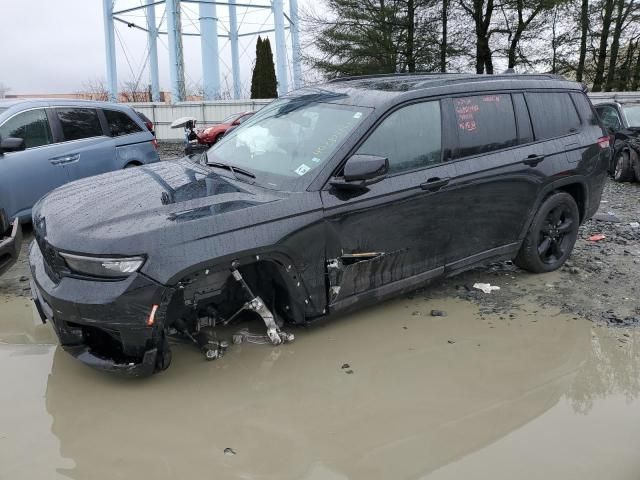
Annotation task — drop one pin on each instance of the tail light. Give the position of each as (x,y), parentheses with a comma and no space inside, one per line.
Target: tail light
(149,126)
(604,142)
(154,142)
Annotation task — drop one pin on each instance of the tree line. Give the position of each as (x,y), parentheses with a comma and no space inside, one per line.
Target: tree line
(592,41)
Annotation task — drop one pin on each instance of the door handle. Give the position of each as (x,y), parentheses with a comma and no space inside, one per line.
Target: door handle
(533,160)
(65,159)
(434,184)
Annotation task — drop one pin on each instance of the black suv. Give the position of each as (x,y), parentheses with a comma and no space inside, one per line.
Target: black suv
(622,121)
(329,198)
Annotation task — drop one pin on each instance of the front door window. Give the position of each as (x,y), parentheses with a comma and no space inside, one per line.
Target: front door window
(32,126)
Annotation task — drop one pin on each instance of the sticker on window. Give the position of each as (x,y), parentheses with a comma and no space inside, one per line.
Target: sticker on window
(315,159)
(302,169)
(357,115)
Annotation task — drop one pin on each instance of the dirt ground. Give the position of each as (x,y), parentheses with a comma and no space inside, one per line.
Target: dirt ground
(540,379)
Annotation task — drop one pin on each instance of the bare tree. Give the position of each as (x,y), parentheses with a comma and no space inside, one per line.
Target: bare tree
(607,17)
(94,89)
(622,14)
(481,11)
(445,35)
(130,91)
(3,90)
(584,33)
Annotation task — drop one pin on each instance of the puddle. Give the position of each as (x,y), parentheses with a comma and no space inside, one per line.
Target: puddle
(539,395)
(20,323)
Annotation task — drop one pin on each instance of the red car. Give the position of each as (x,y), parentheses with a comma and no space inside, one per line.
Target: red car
(210,135)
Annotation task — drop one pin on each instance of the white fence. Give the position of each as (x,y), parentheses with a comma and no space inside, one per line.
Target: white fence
(621,96)
(209,113)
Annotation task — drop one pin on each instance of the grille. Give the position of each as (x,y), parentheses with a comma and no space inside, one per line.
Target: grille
(54,264)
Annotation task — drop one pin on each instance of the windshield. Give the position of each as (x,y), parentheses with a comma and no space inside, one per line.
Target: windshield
(632,112)
(288,140)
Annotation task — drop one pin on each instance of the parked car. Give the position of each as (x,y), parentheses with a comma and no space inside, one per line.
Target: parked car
(198,140)
(210,135)
(330,198)
(148,123)
(47,143)
(622,120)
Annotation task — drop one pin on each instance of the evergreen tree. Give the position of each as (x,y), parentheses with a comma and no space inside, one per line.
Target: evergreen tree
(263,79)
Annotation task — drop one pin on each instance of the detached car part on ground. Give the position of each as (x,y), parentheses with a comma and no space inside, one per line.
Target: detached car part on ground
(622,121)
(48,143)
(199,140)
(328,199)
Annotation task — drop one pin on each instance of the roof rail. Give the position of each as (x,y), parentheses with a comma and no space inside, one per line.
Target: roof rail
(509,74)
(390,75)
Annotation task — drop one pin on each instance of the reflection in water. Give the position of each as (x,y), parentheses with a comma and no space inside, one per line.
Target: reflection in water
(612,367)
(425,392)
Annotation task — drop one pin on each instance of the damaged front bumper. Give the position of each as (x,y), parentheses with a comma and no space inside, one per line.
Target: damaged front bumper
(10,246)
(102,323)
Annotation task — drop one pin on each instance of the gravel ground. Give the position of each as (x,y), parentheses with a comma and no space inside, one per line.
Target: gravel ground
(170,150)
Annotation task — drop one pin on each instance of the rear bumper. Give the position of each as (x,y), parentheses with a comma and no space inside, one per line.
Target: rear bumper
(102,324)
(10,247)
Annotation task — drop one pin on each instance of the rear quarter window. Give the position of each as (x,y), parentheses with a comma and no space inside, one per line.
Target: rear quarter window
(120,123)
(553,114)
(78,123)
(484,123)
(585,108)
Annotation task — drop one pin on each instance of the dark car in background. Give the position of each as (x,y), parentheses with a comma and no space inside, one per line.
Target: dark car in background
(47,143)
(330,198)
(622,121)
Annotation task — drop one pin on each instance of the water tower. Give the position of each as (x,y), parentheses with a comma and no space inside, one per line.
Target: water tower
(211,27)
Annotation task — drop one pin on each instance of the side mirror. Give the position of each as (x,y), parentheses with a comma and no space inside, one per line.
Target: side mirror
(11,144)
(361,171)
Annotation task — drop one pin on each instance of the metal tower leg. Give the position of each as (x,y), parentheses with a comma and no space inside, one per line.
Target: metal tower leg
(295,44)
(281,47)
(235,56)
(153,50)
(176,60)
(209,47)
(110,50)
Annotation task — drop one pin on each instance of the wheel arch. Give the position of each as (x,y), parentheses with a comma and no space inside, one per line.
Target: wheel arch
(261,270)
(575,186)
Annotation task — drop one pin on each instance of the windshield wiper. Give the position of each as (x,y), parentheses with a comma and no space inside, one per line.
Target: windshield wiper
(233,169)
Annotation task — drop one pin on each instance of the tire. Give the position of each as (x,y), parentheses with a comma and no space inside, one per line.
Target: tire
(551,236)
(622,168)
(163,360)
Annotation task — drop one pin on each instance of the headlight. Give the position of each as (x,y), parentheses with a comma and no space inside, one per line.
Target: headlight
(103,267)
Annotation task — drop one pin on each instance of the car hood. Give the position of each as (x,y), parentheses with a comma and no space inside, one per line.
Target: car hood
(124,212)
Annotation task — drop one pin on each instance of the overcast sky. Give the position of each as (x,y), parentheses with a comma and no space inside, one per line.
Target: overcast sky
(57,46)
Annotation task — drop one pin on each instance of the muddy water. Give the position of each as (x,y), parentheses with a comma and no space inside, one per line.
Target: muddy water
(540,395)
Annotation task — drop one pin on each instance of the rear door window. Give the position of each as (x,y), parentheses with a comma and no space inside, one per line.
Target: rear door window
(484,123)
(78,123)
(120,123)
(410,138)
(32,126)
(553,114)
